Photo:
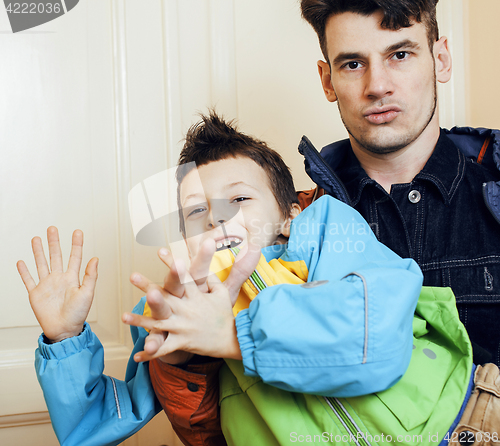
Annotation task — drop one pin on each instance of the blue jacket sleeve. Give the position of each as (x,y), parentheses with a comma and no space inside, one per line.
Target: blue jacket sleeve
(348,330)
(88,408)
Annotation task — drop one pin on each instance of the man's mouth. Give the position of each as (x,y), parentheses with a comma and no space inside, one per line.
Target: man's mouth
(229,242)
(382,115)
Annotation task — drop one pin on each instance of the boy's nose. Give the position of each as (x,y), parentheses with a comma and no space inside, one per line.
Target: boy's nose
(213,224)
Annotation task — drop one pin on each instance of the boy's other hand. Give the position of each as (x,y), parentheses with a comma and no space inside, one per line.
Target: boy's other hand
(175,285)
(59,302)
(200,323)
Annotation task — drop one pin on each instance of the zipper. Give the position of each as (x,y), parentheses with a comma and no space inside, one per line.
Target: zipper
(306,148)
(347,421)
(117,402)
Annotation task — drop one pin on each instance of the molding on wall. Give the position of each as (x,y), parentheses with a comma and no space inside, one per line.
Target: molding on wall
(122,150)
(172,89)
(223,57)
(25,419)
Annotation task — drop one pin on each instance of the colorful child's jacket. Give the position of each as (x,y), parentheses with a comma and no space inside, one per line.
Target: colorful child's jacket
(340,321)
(346,332)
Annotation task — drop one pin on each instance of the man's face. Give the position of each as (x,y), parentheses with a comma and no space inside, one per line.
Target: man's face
(231,202)
(384,81)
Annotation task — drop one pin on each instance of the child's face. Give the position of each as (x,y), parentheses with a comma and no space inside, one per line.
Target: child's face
(231,202)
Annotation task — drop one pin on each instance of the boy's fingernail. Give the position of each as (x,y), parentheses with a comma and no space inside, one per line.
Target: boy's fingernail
(136,278)
(163,252)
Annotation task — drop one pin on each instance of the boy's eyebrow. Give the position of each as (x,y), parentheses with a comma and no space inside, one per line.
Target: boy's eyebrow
(228,186)
(237,183)
(404,44)
(195,195)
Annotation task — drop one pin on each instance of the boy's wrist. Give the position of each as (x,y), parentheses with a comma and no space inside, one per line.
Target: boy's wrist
(62,336)
(233,347)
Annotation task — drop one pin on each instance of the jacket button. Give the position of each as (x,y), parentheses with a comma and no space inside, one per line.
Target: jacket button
(414,196)
(193,387)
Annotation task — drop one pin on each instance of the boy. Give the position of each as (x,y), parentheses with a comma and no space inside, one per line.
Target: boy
(354,351)
(90,408)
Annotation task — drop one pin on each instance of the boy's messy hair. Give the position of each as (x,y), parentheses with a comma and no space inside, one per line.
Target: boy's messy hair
(397,14)
(214,139)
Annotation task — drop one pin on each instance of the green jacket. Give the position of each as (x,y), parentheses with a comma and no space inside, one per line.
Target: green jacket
(418,410)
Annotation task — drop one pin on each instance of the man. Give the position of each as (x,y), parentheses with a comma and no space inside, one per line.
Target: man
(420,193)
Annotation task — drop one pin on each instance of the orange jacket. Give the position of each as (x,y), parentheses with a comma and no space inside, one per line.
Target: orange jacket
(190,398)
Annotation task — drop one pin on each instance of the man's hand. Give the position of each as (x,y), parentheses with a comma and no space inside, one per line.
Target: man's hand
(59,302)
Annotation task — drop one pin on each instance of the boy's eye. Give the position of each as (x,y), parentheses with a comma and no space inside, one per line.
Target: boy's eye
(193,210)
(240,199)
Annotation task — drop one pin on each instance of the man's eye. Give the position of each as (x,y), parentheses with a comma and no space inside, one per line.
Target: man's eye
(400,55)
(353,65)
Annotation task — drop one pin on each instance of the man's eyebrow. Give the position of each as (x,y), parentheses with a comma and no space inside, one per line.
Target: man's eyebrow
(404,44)
(342,57)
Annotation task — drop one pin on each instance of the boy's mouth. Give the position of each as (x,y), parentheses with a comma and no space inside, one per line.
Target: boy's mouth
(229,242)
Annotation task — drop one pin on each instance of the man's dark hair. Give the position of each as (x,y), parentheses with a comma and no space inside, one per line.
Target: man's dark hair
(397,14)
(214,139)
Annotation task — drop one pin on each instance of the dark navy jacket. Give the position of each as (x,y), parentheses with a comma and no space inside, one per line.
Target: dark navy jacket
(447,219)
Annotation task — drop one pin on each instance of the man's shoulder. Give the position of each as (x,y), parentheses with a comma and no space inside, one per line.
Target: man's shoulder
(480,145)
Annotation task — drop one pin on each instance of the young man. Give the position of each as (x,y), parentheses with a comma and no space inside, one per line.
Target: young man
(353,350)
(416,184)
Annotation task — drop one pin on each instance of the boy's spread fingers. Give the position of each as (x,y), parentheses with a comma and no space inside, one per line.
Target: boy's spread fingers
(200,266)
(41,262)
(75,257)
(172,283)
(28,281)
(166,257)
(139,321)
(153,342)
(160,309)
(140,281)
(55,253)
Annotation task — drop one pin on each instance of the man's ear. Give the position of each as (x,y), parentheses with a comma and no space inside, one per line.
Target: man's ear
(442,56)
(285,230)
(326,80)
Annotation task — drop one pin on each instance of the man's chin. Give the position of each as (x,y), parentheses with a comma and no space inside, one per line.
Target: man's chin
(382,141)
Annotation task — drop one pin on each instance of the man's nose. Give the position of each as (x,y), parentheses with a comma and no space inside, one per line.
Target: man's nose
(379,82)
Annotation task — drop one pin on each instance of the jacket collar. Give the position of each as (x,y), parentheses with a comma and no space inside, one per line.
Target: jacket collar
(444,169)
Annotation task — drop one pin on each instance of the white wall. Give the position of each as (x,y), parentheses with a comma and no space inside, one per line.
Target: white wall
(98,100)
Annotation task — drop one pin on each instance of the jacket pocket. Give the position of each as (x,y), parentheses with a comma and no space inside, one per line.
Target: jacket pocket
(413,399)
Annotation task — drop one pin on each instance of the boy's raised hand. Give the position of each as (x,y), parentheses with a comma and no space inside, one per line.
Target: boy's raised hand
(59,302)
